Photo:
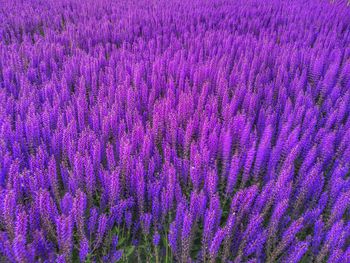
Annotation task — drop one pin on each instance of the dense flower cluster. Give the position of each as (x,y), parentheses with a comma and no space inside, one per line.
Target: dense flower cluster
(162,131)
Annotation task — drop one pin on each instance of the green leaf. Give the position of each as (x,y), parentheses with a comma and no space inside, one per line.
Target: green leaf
(129,251)
(121,241)
(88,258)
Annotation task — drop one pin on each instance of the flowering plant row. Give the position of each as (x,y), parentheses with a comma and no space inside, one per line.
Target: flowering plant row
(174,131)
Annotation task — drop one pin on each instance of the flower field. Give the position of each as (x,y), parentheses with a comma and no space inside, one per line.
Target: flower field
(174,131)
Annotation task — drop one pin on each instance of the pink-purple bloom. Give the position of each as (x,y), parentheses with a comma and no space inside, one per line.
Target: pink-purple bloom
(186,131)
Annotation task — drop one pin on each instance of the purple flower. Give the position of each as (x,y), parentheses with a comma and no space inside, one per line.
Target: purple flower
(297,252)
(53,178)
(101,230)
(172,237)
(209,228)
(140,186)
(223,132)
(19,249)
(339,207)
(146,220)
(263,149)
(79,207)
(8,212)
(83,249)
(332,239)
(21,224)
(114,188)
(156,239)
(317,236)
(186,236)
(66,204)
(90,180)
(233,174)
(110,157)
(64,228)
(288,237)
(92,221)
(215,244)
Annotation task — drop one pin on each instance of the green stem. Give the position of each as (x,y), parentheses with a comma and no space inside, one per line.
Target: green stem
(166,250)
(157,257)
